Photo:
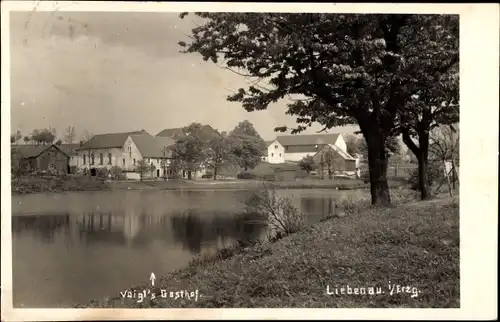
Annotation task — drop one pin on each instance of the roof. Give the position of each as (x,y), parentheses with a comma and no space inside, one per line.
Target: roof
(343,154)
(32,151)
(172,133)
(268,143)
(109,140)
(153,147)
(308,139)
(303,148)
(69,148)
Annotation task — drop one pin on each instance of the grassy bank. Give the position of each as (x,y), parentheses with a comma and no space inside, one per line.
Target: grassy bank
(35,184)
(415,244)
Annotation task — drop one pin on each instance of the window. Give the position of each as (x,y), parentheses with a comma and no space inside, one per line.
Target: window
(84,159)
(157,161)
(134,161)
(130,154)
(272,154)
(280,154)
(123,161)
(276,146)
(101,158)
(92,159)
(109,158)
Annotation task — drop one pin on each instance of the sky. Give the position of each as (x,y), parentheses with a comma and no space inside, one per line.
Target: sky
(122,71)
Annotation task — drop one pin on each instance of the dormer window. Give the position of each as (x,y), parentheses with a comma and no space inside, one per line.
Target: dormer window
(276,146)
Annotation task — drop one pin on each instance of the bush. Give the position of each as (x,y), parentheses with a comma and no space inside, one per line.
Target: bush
(282,216)
(102,173)
(434,172)
(246,175)
(365,176)
(207,176)
(117,173)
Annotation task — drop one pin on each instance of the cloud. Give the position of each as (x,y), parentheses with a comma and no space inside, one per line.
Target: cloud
(106,72)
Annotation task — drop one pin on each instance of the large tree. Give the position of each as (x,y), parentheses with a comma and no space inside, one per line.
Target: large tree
(339,68)
(247,146)
(435,100)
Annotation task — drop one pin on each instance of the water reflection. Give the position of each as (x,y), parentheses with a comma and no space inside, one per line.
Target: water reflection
(190,229)
(75,247)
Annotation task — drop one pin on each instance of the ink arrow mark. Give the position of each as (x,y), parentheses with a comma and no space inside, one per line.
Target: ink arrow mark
(152,278)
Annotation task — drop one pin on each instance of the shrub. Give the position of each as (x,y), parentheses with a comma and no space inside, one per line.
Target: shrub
(102,173)
(434,173)
(365,176)
(207,176)
(117,173)
(246,175)
(282,216)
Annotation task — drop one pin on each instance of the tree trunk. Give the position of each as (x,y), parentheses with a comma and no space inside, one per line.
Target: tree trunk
(421,152)
(189,175)
(215,173)
(453,174)
(423,177)
(377,162)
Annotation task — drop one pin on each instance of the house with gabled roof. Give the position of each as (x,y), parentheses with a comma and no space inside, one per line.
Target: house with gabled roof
(125,150)
(293,148)
(40,158)
(332,159)
(275,152)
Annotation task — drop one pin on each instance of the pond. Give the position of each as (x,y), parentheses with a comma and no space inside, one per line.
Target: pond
(74,247)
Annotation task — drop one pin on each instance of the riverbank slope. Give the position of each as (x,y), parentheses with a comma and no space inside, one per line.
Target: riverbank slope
(26,185)
(406,249)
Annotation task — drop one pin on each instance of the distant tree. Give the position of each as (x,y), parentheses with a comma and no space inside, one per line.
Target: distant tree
(143,168)
(70,134)
(58,142)
(445,147)
(247,146)
(26,139)
(330,161)
(307,163)
(190,149)
(44,136)
(12,139)
(352,143)
(86,136)
(218,153)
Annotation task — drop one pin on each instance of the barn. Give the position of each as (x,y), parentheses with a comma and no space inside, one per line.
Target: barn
(41,158)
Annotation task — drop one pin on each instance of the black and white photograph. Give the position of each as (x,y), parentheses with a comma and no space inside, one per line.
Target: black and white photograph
(194,157)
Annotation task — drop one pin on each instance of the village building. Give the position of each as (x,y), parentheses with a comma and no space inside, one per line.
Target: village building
(275,152)
(208,133)
(125,150)
(40,158)
(332,158)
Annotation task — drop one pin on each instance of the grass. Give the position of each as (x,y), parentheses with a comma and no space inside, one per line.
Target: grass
(34,184)
(415,244)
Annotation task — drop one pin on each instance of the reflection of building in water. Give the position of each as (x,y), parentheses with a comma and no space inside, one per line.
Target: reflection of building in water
(131,226)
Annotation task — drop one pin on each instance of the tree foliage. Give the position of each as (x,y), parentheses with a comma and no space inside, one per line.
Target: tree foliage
(218,153)
(339,69)
(143,168)
(191,148)
(247,146)
(43,136)
(70,134)
(307,163)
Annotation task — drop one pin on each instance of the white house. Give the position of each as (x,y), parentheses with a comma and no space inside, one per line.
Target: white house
(296,147)
(275,152)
